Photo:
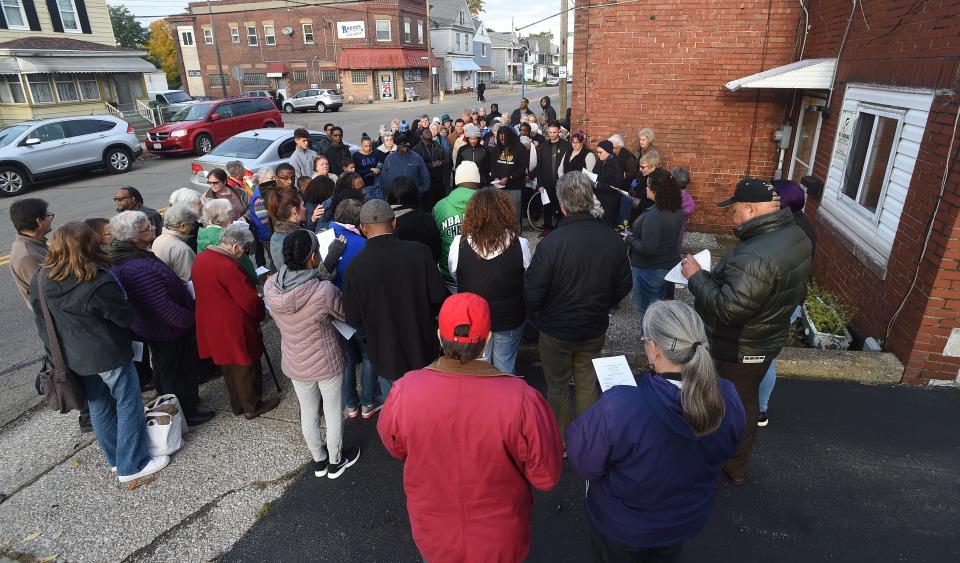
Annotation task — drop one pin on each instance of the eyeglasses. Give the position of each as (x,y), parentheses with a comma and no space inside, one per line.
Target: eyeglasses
(214,182)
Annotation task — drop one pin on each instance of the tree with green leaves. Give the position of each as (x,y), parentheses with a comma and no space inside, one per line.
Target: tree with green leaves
(476,6)
(127,30)
(162,51)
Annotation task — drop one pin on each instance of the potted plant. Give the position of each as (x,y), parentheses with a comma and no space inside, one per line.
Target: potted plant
(825,319)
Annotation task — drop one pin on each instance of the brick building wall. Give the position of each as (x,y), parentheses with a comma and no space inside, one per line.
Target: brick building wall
(905,46)
(664,66)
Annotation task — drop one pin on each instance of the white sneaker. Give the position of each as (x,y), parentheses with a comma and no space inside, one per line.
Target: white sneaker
(155,464)
(113,468)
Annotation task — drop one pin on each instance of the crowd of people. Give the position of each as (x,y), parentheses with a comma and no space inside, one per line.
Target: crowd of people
(406,261)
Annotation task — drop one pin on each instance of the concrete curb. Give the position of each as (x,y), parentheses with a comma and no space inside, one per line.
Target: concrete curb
(872,368)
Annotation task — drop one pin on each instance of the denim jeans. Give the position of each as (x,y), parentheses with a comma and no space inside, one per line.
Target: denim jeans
(502,351)
(766,385)
(648,286)
(354,352)
(385,386)
(116,410)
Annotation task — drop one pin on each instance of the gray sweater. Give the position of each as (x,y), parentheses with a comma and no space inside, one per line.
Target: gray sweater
(655,240)
(302,162)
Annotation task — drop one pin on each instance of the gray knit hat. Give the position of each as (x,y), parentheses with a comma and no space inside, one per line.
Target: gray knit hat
(376,211)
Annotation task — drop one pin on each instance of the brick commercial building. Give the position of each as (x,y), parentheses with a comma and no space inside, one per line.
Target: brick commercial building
(868,91)
(372,50)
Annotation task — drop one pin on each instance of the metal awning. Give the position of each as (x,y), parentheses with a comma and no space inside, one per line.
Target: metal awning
(808,74)
(277,70)
(8,65)
(464,65)
(35,65)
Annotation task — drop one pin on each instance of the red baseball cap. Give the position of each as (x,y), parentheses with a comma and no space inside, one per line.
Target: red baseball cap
(465,309)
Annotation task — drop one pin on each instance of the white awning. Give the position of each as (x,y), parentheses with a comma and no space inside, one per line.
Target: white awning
(34,65)
(464,65)
(808,74)
(8,65)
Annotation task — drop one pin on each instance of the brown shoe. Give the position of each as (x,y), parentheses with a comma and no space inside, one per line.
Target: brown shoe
(263,407)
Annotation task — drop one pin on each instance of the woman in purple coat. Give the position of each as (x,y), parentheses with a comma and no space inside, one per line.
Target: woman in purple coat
(652,453)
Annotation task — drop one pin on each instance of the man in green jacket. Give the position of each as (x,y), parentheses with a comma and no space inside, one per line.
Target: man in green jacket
(448,213)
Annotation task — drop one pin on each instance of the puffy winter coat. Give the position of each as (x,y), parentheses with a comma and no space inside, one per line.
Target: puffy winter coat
(747,300)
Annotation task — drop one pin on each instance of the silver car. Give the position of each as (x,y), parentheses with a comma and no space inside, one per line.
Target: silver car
(313,98)
(35,150)
(256,149)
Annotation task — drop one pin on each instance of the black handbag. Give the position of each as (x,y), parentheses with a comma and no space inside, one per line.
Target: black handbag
(62,387)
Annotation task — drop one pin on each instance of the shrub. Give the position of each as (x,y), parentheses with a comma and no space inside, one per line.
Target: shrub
(826,311)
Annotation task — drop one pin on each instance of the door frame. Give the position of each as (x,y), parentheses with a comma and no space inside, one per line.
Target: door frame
(804,103)
(393,85)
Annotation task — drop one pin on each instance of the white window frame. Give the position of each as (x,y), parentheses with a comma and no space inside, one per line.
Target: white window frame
(6,84)
(183,39)
(323,75)
(76,17)
(18,4)
(853,203)
(234,34)
(33,98)
(66,80)
(483,49)
(805,104)
(299,76)
(208,35)
(389,30)
(306,33)
(86,80)
(458,40)
(252,39)
(420,32)
(269,35)
(357,73)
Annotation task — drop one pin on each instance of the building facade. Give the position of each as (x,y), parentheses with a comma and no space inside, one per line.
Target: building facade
(870,98)
(61,59)
(507,56)
(483,53)
(451,37)
(371,51)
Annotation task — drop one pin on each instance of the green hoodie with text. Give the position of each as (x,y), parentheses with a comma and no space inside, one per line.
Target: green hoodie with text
(448,214)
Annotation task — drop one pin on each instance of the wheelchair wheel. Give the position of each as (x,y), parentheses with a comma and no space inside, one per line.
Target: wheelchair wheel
(537,224)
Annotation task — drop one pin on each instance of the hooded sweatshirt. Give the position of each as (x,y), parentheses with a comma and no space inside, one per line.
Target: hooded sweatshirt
(410,164)
(510,160)
(448,214)
(548,109)
(303,306)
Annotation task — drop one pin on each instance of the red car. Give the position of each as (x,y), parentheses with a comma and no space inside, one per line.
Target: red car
(199,126)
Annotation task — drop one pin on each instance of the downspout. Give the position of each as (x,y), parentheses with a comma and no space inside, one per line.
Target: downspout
(826,110)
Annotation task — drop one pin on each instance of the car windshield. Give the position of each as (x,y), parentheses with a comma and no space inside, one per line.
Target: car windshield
(242,147)
(191,113)
(177,97)
(8,134)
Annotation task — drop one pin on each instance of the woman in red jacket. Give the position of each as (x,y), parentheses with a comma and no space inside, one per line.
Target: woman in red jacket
(229,312)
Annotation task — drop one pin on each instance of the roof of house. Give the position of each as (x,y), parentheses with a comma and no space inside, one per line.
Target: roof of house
(61,44)
(446,13)
(503,39)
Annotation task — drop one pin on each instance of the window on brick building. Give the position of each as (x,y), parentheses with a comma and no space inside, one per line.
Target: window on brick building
(359,77)
(328,76)
(186,38)
(420,32)
(252,40)
(269,35)
(879,131)
(255,79)
(307,33)
(807,137)
(219,80)
(208,35)
(413,75)
(406,31)
(299,76)
(234,34)
(383,30)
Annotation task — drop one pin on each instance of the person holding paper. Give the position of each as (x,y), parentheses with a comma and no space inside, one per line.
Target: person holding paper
(550,157)
(171,246)
(580,157)
(652,452)
(653,243)
(609,183)
(217,214)
(747,300)
(303,305)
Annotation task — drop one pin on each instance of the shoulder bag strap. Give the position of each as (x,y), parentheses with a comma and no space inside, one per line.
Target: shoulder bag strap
(60,366)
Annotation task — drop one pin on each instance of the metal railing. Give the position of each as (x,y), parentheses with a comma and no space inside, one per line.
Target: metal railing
(154,116)
(112,110)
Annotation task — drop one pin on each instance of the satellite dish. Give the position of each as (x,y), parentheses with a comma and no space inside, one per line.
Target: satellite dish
(288,31)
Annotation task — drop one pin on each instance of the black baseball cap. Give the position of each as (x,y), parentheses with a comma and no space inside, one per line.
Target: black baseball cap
(751,190)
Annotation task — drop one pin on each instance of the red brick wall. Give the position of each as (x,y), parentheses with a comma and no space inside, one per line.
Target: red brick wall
(906,45)
(663,66)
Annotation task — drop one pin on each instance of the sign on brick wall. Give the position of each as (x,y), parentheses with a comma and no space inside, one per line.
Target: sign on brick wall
(351,30)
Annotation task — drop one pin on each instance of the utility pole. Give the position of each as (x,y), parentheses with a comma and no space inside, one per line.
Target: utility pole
(429,54)
(564,6)
(216,47)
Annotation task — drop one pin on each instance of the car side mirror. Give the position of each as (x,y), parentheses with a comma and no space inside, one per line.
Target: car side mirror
(215,117)
(32,141)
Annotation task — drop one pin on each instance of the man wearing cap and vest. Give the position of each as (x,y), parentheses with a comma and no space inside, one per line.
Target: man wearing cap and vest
(747,300)
(473,442)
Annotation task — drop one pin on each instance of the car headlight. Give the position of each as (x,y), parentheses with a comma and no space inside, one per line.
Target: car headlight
(179,133)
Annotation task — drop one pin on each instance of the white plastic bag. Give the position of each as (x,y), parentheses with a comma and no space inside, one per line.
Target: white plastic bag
(165,425)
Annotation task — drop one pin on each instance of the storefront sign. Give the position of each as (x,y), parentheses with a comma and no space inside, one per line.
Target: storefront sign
(351,30)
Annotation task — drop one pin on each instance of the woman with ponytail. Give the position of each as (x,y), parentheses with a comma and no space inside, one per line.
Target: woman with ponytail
(652,453)
(304,305)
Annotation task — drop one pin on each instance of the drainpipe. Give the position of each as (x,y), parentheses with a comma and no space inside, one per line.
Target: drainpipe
(853,10)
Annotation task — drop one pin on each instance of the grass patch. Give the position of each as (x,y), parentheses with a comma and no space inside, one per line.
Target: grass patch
(265,509)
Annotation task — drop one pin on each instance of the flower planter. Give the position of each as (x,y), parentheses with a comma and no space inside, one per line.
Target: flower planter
(824,340)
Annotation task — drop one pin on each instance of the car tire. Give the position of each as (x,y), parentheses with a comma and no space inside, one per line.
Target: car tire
(269,125)
(288,108)
(13,181)
(202,144)
(117,160)
(321,107)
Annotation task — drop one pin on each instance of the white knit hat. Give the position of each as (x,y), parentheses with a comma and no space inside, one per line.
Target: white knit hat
(467,172)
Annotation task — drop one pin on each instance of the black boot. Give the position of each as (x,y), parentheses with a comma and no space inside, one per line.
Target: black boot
(85,424)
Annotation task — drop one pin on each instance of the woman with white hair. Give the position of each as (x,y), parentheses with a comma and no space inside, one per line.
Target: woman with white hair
(645,138)
(631,168)
(190,198)
(218,214)
(163,316)
(171,246)
(642,507)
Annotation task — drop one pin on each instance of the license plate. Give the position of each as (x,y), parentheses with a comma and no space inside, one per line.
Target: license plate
(156,145)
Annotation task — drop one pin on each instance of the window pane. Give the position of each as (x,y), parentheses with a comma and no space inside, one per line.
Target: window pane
(89,90)
(51,132)
(299,76)
(67,90)
(859,145)
(328,75)
(11,90)
(876,165)
(234,35)
(359,77)
(68,15)
(40,89)
(11,9)
(242,147)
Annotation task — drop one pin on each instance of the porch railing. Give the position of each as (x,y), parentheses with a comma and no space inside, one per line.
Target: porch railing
(153,115)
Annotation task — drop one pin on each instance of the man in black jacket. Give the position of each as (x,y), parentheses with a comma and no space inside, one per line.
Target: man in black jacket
(436,160)
(577,275)
(393,292)
(747,300)
(337,152)
(549,156)
(519,113)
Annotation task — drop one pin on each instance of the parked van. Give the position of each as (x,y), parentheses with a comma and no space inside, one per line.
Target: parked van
(197,127)
(169,97)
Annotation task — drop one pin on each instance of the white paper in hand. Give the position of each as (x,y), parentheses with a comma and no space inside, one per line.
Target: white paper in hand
(323,242)
(674,275)
(262,270)
(544,197)
(343,328)
(496,184)
(593,177)
(613,371)
(137,350)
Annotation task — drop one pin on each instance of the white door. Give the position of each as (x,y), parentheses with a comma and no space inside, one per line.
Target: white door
(805,142)
(388,90)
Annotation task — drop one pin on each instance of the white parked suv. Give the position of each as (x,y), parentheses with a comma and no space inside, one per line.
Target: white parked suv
(313,98)
(36,150)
